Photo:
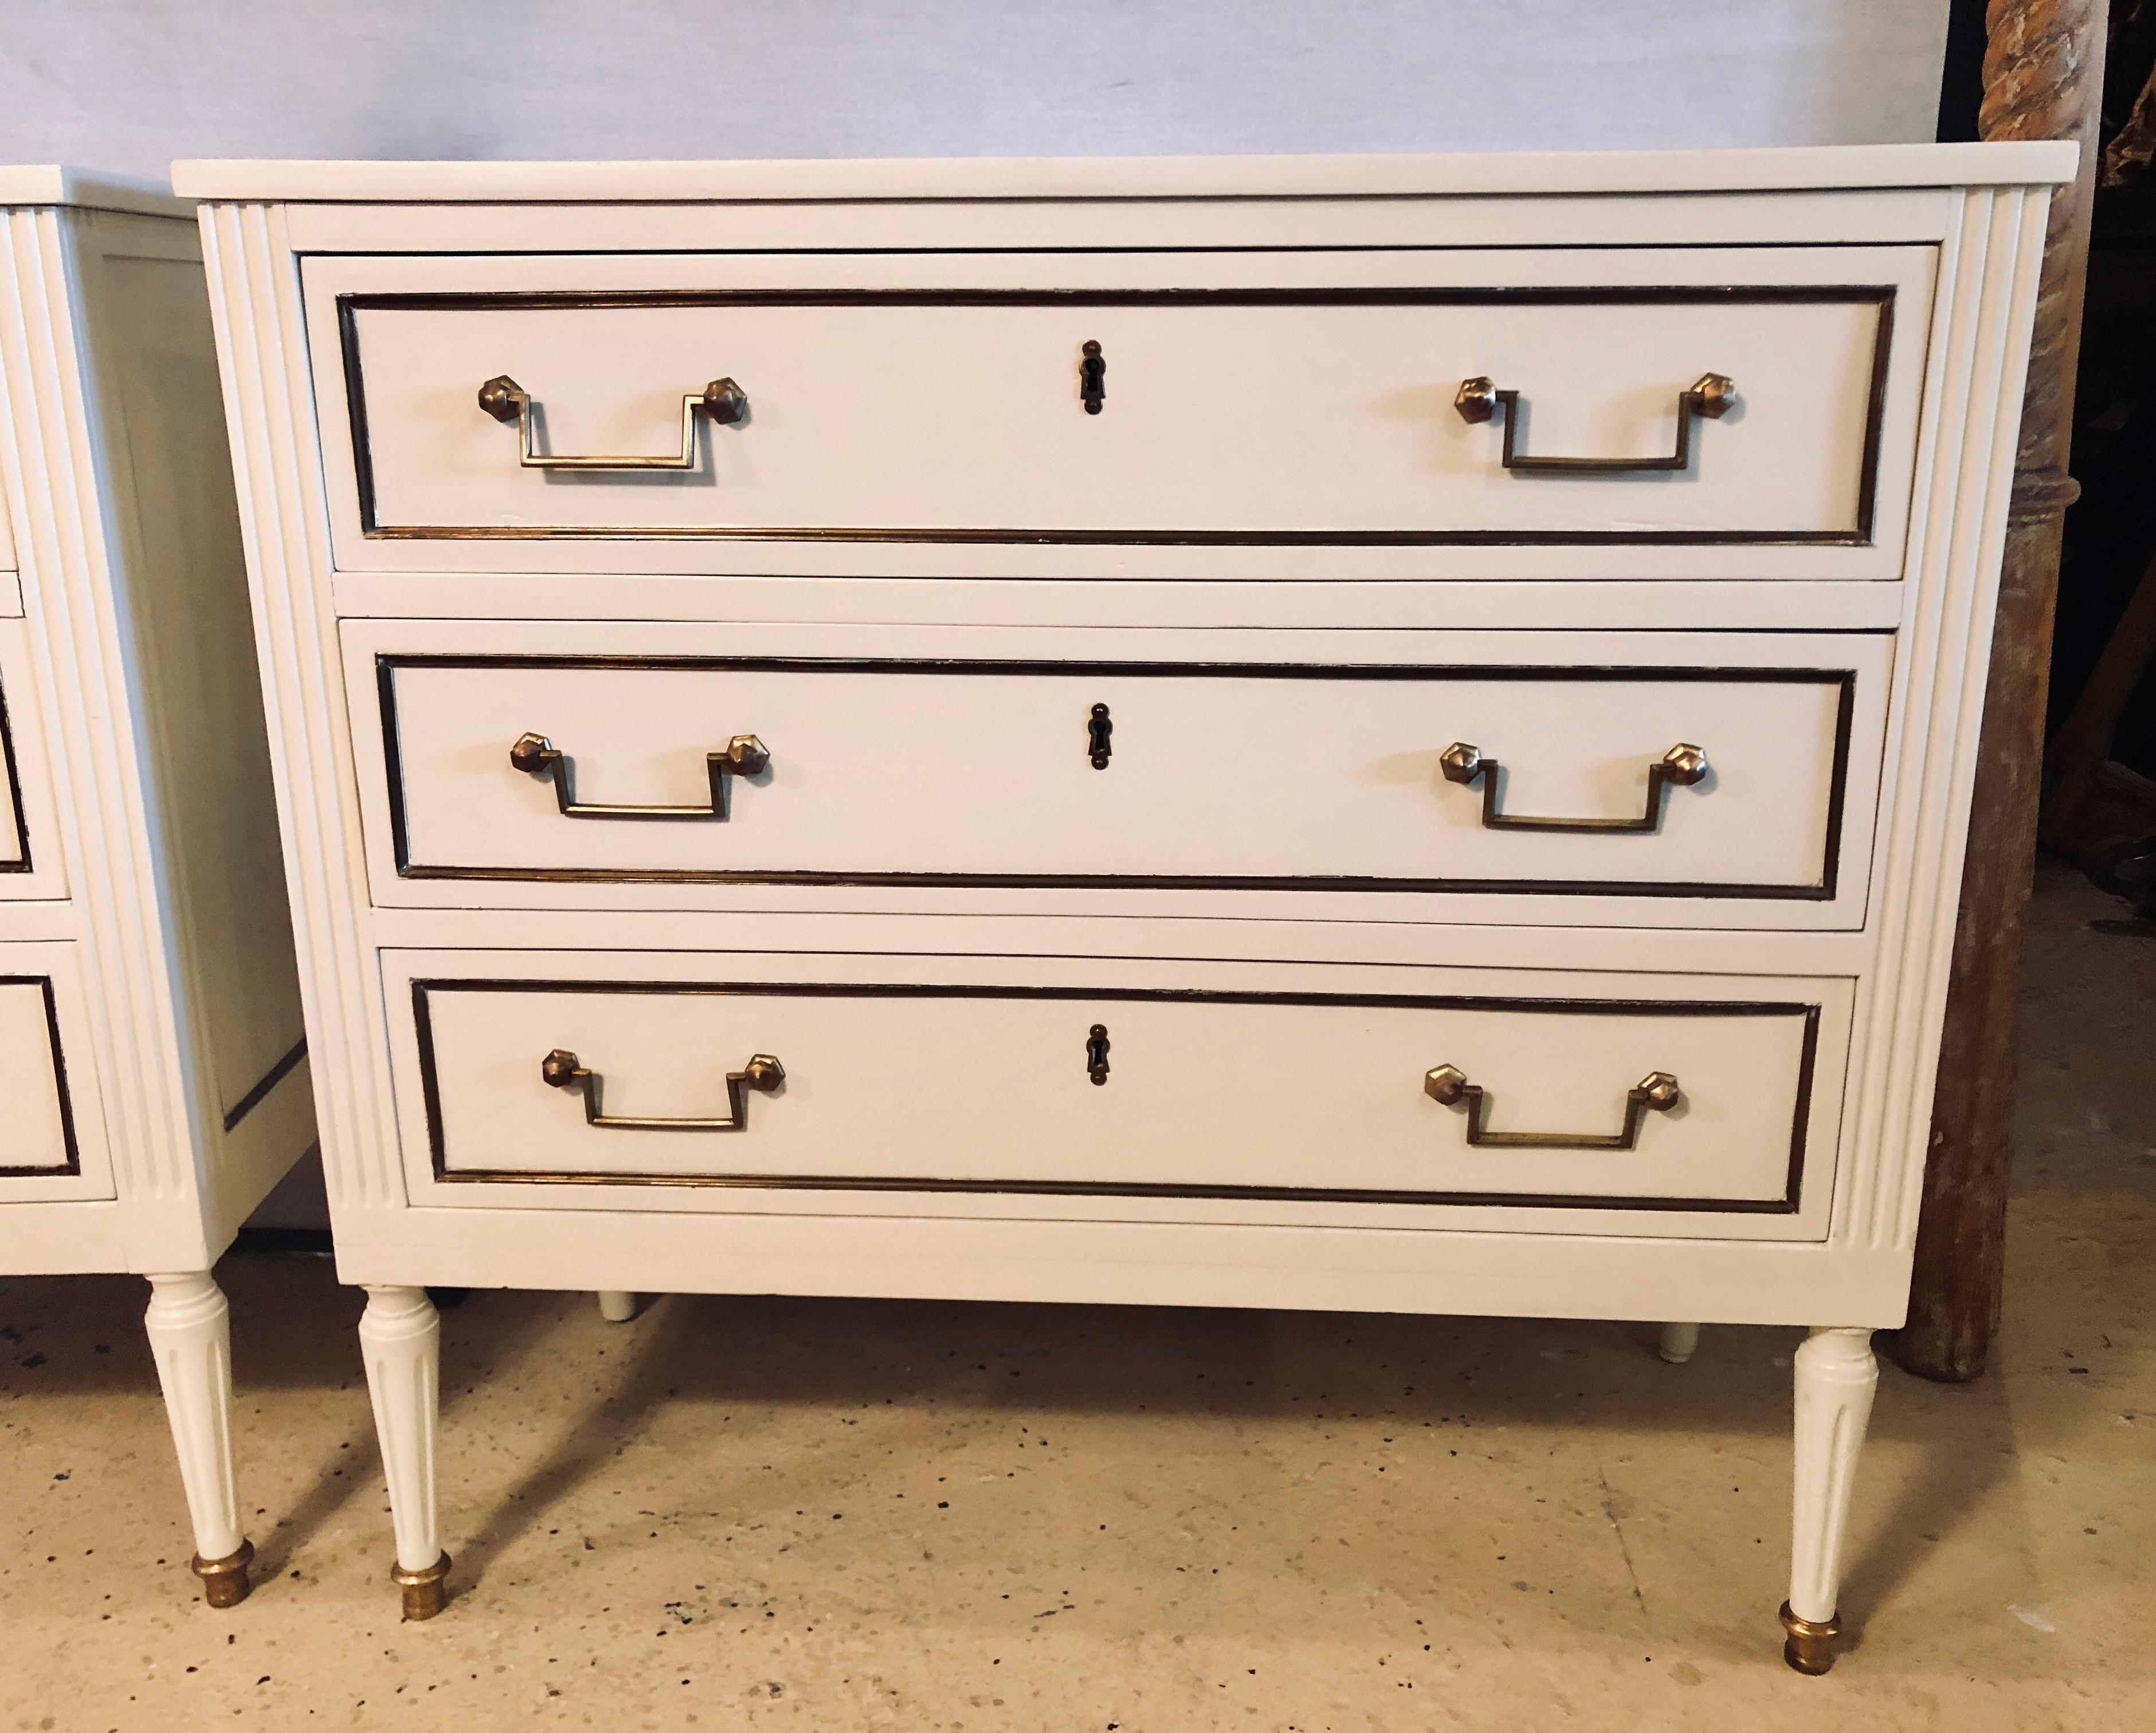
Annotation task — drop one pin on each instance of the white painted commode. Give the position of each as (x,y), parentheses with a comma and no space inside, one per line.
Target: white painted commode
(150,1021)
(1385,733)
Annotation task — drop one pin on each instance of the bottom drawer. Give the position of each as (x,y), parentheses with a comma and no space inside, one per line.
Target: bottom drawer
(1469,1088)
(52,1140)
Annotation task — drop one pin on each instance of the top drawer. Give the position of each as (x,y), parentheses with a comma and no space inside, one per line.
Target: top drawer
(1620,412)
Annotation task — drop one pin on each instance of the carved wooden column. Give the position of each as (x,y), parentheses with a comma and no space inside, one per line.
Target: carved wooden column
(2043,75)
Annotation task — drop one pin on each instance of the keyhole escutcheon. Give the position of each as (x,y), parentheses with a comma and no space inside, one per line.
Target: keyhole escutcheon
(1096,1053)
(1092,377)
(1098,728)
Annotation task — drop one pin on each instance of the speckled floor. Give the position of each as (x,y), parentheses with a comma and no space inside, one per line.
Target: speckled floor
(833,1514)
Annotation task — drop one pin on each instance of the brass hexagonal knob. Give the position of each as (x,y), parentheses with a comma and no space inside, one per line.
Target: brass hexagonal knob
(531,752)
(501,396)
(1658,1089)
(1712,394)
(1446,1085)
(1684,764)
(1476,399)
(726,404)
(748,755)
(1460,762)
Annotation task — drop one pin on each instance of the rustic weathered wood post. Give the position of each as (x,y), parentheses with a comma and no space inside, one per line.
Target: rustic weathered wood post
(2043,76)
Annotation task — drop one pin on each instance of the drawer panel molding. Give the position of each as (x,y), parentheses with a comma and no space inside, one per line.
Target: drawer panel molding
(1062,403)
(1829,454)
(30,865)
(39,1140)
(15,861)
(1133,1093)
(1656,780)
(52,1140)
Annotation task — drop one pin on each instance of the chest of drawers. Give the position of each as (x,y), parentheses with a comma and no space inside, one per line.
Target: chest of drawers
(1379,733)
(149,1019)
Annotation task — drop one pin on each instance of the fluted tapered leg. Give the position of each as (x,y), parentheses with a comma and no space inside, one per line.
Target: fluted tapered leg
(191,1336)
(400,1333)
(1835,1377)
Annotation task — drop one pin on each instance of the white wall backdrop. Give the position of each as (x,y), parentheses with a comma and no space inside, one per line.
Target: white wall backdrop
(129,84)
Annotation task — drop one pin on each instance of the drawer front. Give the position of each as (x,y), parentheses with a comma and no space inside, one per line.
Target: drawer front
(38,1138)
(29,860)
(52,1138)
(727,1078)
(1733,781)
(1221,400)
(14,822)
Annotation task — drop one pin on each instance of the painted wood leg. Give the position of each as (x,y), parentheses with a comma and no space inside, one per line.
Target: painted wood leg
(1835,1377)
(617,1308)
(190,1335)
(1679,1342)
(401,1334)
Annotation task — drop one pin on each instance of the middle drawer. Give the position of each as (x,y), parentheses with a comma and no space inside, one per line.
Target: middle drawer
(1735,767)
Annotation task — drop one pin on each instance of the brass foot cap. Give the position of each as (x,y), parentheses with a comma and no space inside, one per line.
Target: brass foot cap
(224,1580)
(426,1591)
(1810,1647)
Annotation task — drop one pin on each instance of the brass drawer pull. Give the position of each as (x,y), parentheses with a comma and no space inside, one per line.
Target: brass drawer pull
(1479,398)
(745,755)
(1681,765)
(564,1071)
(503,398)
(1448,1086)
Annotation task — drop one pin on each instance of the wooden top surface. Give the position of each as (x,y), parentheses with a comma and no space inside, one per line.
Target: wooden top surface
(1396,176)
(48,183)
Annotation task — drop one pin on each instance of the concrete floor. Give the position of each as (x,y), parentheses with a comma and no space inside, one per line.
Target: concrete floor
(829,1514)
